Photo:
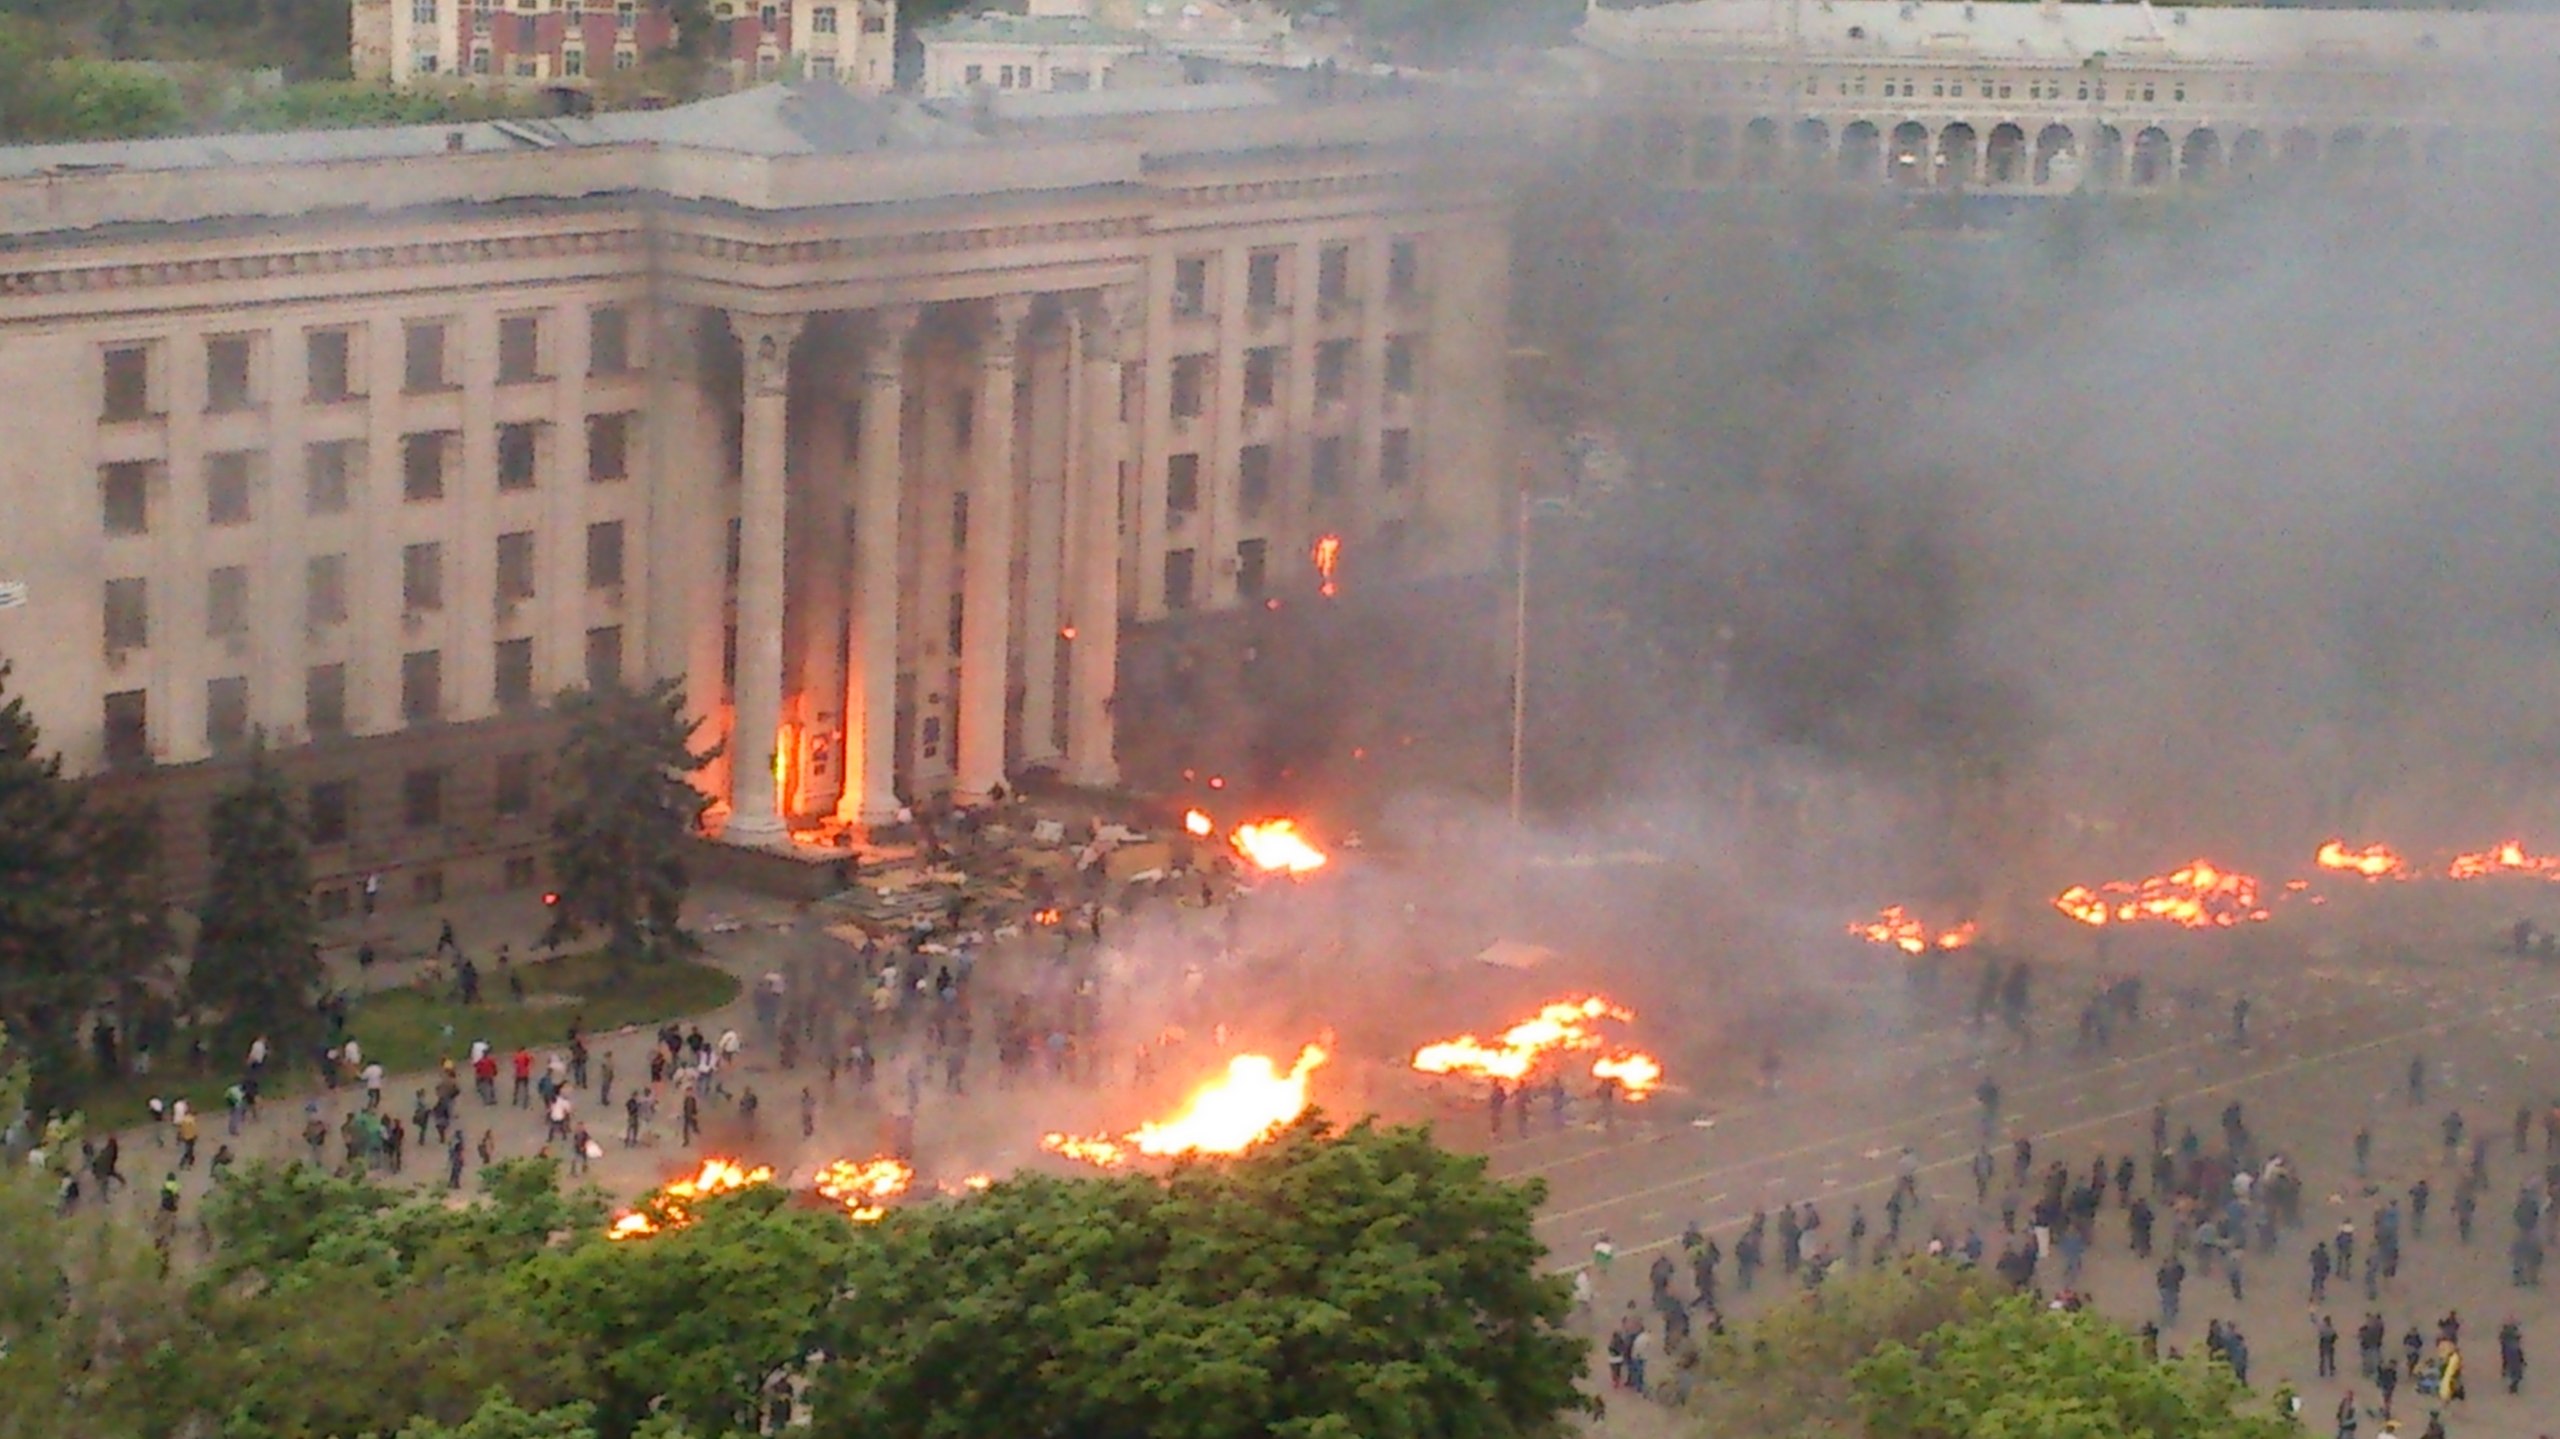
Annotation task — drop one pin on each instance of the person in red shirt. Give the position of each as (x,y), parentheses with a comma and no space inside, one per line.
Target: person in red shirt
(484,1077)
(523,1095)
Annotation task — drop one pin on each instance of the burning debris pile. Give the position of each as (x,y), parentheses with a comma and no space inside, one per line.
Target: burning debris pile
(1270,846)
(1544,1045)
(865,1187)
(1248,1104)
(1897,928)
(671,1206)
(2199,895)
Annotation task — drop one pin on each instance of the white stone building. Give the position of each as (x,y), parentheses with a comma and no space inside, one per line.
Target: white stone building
(878,423)
(2026,98)
(573,42)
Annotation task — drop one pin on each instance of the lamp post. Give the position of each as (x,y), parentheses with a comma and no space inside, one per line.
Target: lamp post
(1530,507)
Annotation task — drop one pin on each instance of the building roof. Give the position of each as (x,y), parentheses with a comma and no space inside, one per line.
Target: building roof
(2129,33)
(996,27)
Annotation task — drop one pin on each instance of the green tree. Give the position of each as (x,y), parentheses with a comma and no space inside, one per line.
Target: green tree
(1322,1287)
(46,986)
(257,967)
(1785,1374)
(2023,1371)
(103,100)
(626,811)
(499,1418)
(696,1321)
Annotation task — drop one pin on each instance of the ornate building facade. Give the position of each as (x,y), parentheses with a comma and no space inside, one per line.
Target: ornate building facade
(875,423)
(573,43)
(2047,97)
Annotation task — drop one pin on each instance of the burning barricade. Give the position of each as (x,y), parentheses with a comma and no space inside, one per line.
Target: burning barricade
(1253,1100)
(1546,1043)
(1895,927)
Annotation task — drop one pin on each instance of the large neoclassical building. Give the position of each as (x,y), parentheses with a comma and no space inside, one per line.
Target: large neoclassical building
(877,422)
(2022,98)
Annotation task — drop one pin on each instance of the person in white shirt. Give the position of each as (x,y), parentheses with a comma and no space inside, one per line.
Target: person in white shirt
(479,1047)
(373,1085)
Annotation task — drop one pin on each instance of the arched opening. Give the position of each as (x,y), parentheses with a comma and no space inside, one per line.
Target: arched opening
(2249,155)
(1908,161)
(1958,147)
(2346,152)
(2391,152)
(2200,157)
(2151,161)
(1813,145)
(1861,151)
(2301,149)
(1662,146)
(2054,147)
(2443,152)
(2106,156)
(1710,149)
(2004,159)
(1760,149)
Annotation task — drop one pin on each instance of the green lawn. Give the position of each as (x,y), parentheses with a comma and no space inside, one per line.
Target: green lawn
(413,1029)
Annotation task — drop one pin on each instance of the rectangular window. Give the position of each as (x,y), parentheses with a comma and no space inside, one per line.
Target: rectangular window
(972,74)
(513,792)
(127,719)
(333,811)
(604,555)
(515,567)
(1261,377)
(1327,464)
(1404,269)
(127,379)
(515,674)
(608,340)
(1253,574)
(822,21)
(626,15)
(422,798)
(1333,276)
(1262,281)
(1191,386)
(604,657)
(958,627)
(1253,479)
(519,453)
(1178,565)
(1181,484)
(124,497)
(226,487)
(421,686)
(528,35)
(573,63)
(226,602)
(324,700)
(422,357)
(226,713)
(328,475)
(1191,286)
(422,14)
(328,358)
(128,614)
(324,590)
(421,578)
(422,466)
(737,541)
(519,349)
(227,381)
(1333,369)
(1395,458)
(960,521)
(1400,352)
(608,448)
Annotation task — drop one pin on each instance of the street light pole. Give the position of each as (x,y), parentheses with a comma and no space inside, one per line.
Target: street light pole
(1520,661)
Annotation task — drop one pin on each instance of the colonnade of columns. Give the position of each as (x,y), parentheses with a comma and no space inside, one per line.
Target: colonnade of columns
(1070,531)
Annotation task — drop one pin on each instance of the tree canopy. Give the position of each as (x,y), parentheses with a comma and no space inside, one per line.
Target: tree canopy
(627,810)
(256,962)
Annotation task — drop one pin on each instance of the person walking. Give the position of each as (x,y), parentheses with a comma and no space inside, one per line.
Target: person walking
(2326,1337)
(2511,1355)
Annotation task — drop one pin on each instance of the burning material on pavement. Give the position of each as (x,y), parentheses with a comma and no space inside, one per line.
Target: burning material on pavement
(1197,824)
(2374,861)
(1562,1028)
(2504,859)
(864,1186)
(1638,1075)
(1894,926)
(670,1207)
(1274,846)
(2200,895)
(1249,1103)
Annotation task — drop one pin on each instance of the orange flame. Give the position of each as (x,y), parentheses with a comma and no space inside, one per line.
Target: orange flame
(1251,1102)
(1197,824)
(2508,858)
(671,1206)
(2200,895)
(864,1186)
(1327,556)
(1638,1075)
(2374,861)
(1895,927)
(1275,847)
(1556,1029)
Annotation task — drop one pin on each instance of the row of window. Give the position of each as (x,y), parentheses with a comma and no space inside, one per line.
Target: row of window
(127,713)
(1266,276)
(1328,466)
(1191,375)
(333,363)
(1252,564)
(2146,91)
(331,470)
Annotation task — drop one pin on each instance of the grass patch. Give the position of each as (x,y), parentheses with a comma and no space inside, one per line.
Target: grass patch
(414,1028)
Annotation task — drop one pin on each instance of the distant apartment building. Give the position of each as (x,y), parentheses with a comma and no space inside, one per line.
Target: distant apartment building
(571,42)
(1072,45)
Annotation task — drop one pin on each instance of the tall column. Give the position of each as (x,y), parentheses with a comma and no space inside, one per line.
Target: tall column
(688,464)
(754,800)
(1115,317)
(987,569)
(1045,430)
(871,680)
